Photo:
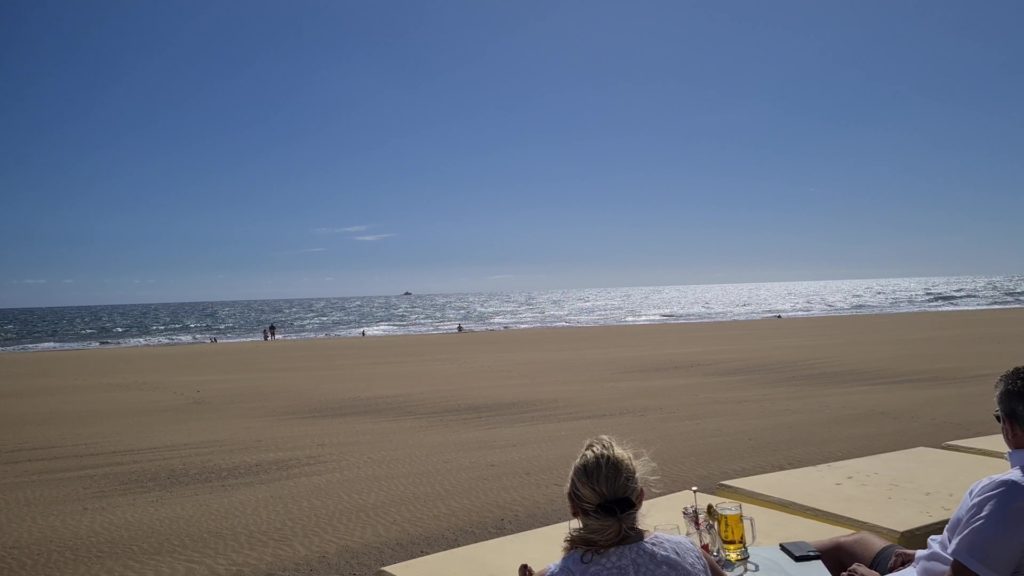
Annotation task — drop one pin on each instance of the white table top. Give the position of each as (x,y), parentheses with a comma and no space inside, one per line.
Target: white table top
(771,561)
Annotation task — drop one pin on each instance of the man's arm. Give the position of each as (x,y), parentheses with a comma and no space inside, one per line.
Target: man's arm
(987,542)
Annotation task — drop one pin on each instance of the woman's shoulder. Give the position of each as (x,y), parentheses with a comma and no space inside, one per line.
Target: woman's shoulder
(671,542)
(659,551)
(681,549)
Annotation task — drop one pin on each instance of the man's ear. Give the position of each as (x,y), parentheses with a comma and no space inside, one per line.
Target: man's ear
(1014,435)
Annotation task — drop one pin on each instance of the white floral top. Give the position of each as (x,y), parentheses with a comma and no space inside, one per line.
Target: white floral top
(657,555)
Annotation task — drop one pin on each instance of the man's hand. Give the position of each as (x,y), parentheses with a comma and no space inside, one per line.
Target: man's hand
(859,570)
(901,558)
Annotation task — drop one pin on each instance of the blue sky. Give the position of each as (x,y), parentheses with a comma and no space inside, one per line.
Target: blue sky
(188,150)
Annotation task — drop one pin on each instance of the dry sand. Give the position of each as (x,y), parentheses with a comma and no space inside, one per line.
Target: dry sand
(339,456)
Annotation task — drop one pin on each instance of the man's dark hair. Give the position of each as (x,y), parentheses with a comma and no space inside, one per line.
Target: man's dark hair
(1010,396)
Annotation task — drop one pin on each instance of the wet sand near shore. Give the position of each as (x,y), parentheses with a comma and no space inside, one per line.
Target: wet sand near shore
(340,456)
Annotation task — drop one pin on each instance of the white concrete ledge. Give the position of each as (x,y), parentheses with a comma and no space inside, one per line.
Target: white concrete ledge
(497,557)
(904,496)
(993,446)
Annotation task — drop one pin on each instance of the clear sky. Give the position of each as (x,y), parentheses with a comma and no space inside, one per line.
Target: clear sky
(190,150)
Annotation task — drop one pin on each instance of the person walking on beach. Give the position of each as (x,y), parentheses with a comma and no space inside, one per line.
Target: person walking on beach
(273,332)
(985,535)
(266,335)
(605,494)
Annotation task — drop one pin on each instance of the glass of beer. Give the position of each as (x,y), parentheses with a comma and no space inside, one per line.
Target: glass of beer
(731,530)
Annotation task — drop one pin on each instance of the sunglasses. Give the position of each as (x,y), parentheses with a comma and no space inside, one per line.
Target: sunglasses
(998,416)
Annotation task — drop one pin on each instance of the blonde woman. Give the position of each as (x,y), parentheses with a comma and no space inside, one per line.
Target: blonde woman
(605,494)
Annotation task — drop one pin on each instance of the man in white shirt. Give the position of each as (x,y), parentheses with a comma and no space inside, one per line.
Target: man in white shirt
(984,537)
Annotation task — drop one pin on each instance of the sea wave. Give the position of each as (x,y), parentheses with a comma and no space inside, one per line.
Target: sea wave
(950,297)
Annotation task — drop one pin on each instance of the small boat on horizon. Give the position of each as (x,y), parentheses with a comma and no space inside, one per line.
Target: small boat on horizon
(406,293)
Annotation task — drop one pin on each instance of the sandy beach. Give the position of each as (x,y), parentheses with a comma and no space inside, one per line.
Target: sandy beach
(340,456)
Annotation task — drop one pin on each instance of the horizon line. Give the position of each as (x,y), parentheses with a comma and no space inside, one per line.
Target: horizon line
(936,277)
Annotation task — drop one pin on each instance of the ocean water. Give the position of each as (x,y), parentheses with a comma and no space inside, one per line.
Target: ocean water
(196,322)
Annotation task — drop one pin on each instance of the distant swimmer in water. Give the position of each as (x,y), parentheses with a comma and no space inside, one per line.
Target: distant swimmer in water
(779,316)
(273,332)
(460,328)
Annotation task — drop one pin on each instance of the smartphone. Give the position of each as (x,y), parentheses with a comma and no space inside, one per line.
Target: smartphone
(800,551)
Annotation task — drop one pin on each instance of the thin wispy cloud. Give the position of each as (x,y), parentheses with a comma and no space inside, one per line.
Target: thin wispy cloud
(374,237)
(500,276)
(299,251)
(67,281)
(28,281)
(343,230)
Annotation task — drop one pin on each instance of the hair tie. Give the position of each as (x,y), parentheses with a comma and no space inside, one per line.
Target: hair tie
(616,507)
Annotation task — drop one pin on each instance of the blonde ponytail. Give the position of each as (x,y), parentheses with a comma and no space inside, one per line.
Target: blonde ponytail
(605,491)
